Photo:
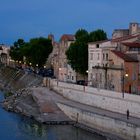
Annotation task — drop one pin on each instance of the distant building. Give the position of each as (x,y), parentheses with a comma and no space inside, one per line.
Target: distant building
(122,73)
(4,54)
(53,59)
(110,60)
(66,73)
(134,28)
(98,56)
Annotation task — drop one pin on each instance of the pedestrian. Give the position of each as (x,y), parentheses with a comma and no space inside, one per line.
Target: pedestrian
(127,112)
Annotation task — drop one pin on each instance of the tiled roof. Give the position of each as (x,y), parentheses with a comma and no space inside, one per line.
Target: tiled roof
(67,37)
(121,30)
(131,44)
(98,42)
(124,38)
(123,56)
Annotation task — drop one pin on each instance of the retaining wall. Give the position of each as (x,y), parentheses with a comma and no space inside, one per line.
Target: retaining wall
(108,100)
(13,79)
(105,124)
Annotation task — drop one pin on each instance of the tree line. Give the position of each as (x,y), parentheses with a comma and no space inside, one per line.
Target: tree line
(34,52)
(37,50)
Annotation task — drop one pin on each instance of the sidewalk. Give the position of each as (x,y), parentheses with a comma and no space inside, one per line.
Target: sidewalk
(48,100)
(50,112)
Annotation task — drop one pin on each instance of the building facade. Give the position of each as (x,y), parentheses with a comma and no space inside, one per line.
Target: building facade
(4,54)
(66,73)
(109,61)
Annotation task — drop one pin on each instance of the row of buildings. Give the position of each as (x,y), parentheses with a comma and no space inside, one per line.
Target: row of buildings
(113,64)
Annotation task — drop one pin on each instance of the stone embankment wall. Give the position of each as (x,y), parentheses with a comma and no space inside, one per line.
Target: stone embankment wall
(122,129)
(109,100)
(13,79)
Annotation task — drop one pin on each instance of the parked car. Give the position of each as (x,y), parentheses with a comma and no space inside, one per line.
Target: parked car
(82,82)
(46,72)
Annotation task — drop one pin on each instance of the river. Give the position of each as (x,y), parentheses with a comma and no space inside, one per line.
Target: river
(16,127)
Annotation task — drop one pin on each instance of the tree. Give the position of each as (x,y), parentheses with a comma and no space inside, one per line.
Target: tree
(15,52)
(37,51)
(97,35)
(77,54)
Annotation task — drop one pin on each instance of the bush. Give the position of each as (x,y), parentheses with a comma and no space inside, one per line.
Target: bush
(7,94)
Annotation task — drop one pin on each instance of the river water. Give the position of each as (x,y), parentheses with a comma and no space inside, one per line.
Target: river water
(17,127)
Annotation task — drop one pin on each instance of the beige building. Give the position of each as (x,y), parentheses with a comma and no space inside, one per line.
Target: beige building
(98,57)
(53,60)
(134,28)
(65,71)
(108,60)
(122,73)
(4,54)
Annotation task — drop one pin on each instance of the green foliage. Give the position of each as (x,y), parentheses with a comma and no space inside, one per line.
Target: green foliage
(7,94)
(15,52)
(81,35)
(97,35)
(36,51)
(77,54)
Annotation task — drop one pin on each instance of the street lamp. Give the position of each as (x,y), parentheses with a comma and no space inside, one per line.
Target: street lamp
(123,82)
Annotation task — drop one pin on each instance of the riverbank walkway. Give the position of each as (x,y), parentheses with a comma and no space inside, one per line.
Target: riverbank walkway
(47,99)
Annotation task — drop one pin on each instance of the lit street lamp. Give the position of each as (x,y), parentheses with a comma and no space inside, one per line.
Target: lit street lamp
(123,82)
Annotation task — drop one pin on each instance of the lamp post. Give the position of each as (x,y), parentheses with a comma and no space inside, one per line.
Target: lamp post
(123,82)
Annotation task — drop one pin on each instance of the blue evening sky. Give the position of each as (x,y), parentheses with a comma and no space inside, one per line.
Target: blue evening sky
(34,18)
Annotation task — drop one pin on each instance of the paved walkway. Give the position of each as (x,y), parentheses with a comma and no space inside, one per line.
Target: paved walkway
(50,112)
(48,99)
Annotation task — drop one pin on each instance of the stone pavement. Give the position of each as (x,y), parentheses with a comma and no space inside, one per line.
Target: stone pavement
(50,112)
(47,100)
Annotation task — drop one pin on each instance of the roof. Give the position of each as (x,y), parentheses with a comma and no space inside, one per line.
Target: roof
(125,38)
(121,30)
(98,42)
(123,56)
(67,37)
(131,44)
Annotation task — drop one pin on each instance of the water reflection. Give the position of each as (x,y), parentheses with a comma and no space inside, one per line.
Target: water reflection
(16,127)
(57,132)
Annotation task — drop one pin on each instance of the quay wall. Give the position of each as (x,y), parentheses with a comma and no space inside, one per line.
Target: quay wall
(109,100)
(12,79)
(122,129)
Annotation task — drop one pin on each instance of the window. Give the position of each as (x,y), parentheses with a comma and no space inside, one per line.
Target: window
(134,76)
(91,56)
(107,57)
(103,56)
(98,56)
(96,77)
(100,77)
(138,76)
(97,45)
(72,77)
(91,76)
